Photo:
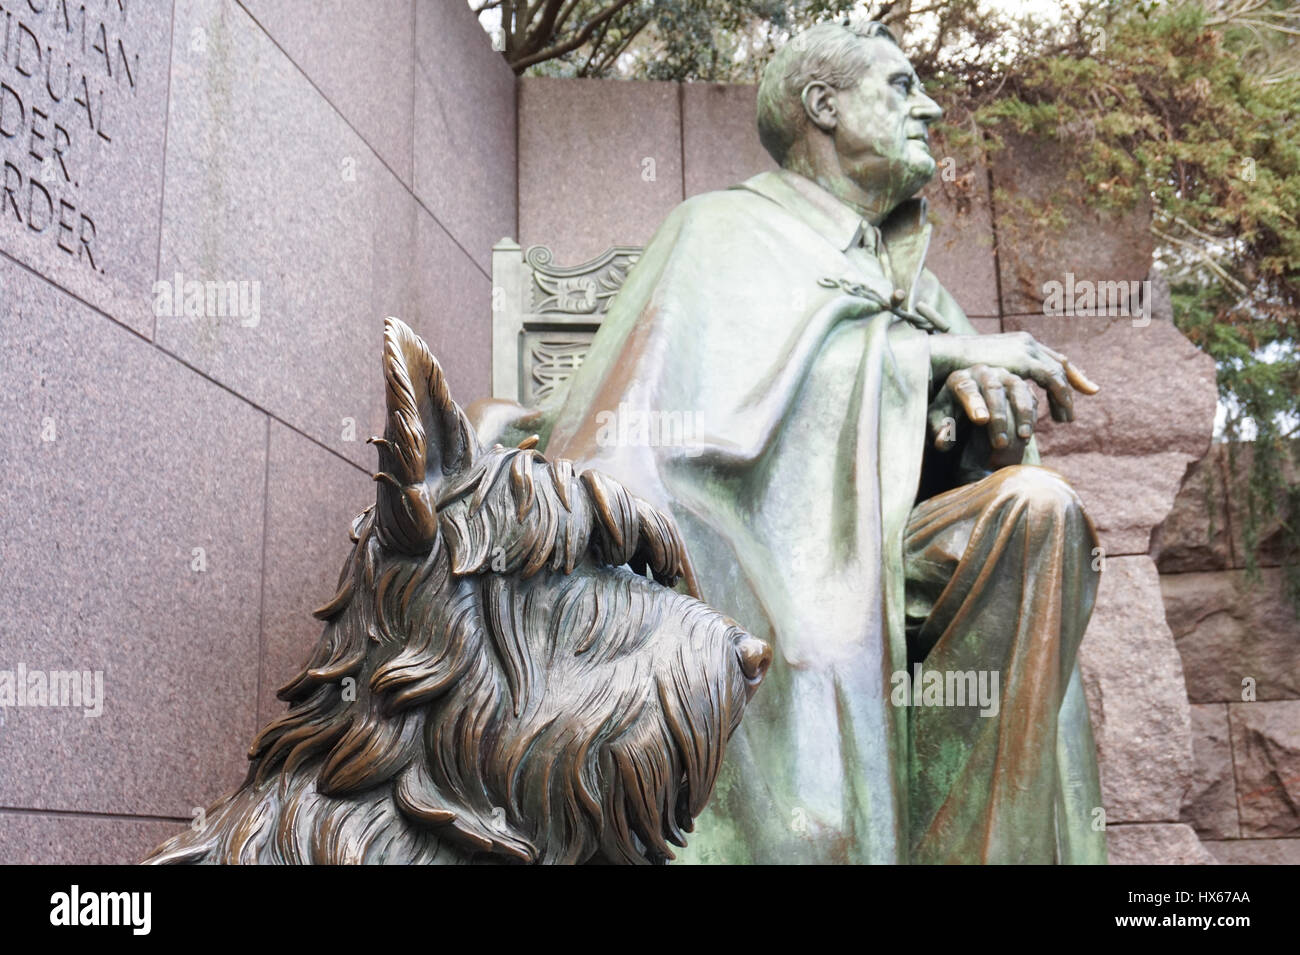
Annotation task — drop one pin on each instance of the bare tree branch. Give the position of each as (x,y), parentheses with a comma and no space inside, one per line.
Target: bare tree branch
(571,44)
(595,46)
(1231,11)
(1263,24)
(1205,257)
(565,14)
(611,54)
(545,29)
(508,27)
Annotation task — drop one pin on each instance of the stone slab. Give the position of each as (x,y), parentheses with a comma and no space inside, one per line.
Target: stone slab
(312,497)
(1266,753)
(961,251)
(285,197)
(1206,530)
(1210,806)
(1125,495)
(1156,844)
(1271,545)
(361,58)
(39,838)
(465,129)
(83,111)
(720,136)
(1197,533)
(1133,680)
(600,163)
(1256,851)
(1093,246)
(452,309)
(1158,391)
(133,547)
(1230,629)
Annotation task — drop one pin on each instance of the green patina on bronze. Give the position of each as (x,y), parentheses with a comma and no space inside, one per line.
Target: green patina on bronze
(860,490)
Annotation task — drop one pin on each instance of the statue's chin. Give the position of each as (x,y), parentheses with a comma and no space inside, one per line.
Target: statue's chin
(920,169)
(910,177)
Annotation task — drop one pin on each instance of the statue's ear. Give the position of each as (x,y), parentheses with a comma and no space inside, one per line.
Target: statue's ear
(427,439)
(818,98)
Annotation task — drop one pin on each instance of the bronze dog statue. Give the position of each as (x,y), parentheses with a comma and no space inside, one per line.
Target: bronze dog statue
(492,684)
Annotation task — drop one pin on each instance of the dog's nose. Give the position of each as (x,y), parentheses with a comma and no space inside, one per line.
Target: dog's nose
(755,657)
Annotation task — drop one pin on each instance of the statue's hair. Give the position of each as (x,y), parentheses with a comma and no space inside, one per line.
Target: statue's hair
(505,694)
(830,53)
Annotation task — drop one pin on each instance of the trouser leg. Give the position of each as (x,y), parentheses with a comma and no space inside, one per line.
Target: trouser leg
(999,578)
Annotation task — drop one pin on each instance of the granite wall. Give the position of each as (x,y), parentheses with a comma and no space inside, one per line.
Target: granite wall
(1239,638)
(181,461)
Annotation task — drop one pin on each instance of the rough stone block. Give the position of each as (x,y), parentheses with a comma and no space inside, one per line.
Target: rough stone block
(1230,629)
(1094,246)
(961,246)
(1156,844)
(1206,529)
(1256,851)
(1266,752)
(1124,495)
(133,548)
(1271,546)
(1158,391)
(83,109)
(1210,806)
(1133,680)
(599,163)
(1197,534)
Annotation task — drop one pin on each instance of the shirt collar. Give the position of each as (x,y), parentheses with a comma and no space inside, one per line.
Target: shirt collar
(905,233)
(841,224)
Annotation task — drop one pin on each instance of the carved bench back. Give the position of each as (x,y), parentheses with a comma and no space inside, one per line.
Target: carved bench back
(544,317)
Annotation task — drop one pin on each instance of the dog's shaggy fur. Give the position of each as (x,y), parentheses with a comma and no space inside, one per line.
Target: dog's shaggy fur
(491,684)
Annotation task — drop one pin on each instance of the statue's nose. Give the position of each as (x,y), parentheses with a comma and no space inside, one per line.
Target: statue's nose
(926,109)
(755,657)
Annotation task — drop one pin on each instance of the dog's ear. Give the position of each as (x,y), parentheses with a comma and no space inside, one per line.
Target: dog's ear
(427,439)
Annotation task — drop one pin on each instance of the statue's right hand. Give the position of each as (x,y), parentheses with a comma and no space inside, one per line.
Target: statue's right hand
(989,397)
(1020,354)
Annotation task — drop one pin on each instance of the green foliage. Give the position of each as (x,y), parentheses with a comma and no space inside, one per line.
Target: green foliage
(715,40)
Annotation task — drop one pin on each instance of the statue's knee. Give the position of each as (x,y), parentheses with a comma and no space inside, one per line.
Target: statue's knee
(1043,492)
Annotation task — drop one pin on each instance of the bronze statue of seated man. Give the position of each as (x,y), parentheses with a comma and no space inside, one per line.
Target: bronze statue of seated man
(860,489)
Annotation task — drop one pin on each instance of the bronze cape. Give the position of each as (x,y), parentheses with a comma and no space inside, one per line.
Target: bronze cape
(790,336)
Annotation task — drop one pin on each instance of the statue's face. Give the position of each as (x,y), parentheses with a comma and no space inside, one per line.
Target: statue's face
(882,129)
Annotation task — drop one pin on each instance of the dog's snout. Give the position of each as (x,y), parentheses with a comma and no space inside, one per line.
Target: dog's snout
(755,656)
